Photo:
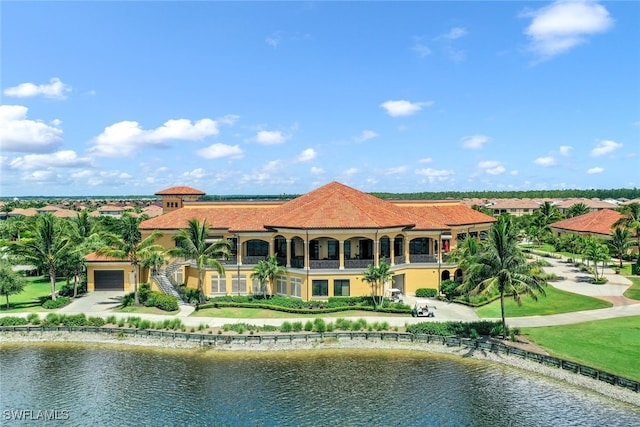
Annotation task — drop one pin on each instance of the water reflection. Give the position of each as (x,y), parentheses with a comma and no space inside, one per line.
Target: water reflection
(113,386)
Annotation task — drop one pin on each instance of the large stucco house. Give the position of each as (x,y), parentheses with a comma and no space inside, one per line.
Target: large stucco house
(325,239)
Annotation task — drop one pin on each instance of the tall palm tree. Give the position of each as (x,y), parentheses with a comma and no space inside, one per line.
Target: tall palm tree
(596,251)
(129,245)
(266,272)
(47,245)
(577,209)
(191,243)
(376,277)
(502,267)
(620,242)
(465,253)
(630,219)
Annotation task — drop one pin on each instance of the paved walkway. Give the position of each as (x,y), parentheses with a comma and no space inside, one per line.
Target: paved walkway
(101,304)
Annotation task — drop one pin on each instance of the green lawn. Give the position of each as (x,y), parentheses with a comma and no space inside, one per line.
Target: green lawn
(143,309)
(28,300)
(257,313)
(634,290)
(556,301)
(609,345)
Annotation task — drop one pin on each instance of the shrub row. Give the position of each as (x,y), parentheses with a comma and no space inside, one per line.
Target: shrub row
(315,325)
(387,308)
(426,292)
(461,329)
(53,319)
(150,298)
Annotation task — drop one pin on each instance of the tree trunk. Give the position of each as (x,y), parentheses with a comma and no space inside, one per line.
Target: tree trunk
(7,295)
(201,286)
(504,321)
(52,280)
(136,299)
(75,286)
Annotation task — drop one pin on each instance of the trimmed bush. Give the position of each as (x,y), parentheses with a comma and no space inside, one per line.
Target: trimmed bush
(51,304)
(165,302)
(13,321)
(426,292)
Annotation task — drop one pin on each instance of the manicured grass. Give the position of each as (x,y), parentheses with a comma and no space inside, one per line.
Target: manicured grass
(556,301)
(257,313)
(143,309)
(610,345)
(634,290)
(29,299)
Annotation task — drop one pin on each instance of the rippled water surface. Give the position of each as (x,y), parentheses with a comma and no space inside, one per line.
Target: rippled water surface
(114,386)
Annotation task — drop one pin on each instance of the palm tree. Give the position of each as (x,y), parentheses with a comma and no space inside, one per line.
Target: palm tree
(376,277)
(630,219)
(46,247)
(547,214)
(502,267)
(596,251)
(577,209)
(191,243)
(266,271)
(465,253)
(10,282)
(129,245)
(620,242)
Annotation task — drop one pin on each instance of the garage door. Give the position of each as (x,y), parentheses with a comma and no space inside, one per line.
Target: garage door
(109,280)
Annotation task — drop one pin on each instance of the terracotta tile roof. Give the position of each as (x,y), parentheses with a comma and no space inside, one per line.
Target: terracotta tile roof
(335,205)
(224,216)
(180,191)
(599,222)
(94,257)
(438,216)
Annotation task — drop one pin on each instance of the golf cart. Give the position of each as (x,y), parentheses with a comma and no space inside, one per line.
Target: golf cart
(396,295)
(423,310)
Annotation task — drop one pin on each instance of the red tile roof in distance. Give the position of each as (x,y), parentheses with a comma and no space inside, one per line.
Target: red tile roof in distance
(181,191)
(599,222)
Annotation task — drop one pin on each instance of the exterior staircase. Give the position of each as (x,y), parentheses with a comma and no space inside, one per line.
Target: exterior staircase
(165,285)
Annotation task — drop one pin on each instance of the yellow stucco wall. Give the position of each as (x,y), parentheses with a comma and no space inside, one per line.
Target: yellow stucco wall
(92,267)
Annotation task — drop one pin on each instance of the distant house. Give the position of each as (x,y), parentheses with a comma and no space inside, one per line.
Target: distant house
(111,210)
(515,207)
(597,223)
(593,205)
(173,198)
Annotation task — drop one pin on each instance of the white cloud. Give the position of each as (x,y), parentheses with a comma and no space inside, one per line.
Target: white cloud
(395,171)
(123,138)
(595,170)
(455,33)
(316,170)
(421,49)
(54,89)
(404,108)
(605,147)
(425,161)
(350,172)
(561,26)
(307,155)
(435,174)
(491,167)
(475,142)
(565,150)
(270,137)
(545,161)
(59,159)
(514,172)
(274,39)
(219,151)
(197,173)
(365,135)
(22,135)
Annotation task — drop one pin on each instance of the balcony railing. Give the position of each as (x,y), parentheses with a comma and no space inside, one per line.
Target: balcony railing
(324,263)
(398,259)
(422,258)
(297,262)
(253,259)
(357,263)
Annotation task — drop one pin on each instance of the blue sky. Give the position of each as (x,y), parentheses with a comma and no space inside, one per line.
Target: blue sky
(119,98)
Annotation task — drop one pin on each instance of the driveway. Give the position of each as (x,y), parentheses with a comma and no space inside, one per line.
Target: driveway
(93,303)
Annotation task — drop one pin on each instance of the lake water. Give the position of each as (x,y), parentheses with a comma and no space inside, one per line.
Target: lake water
(97,385)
